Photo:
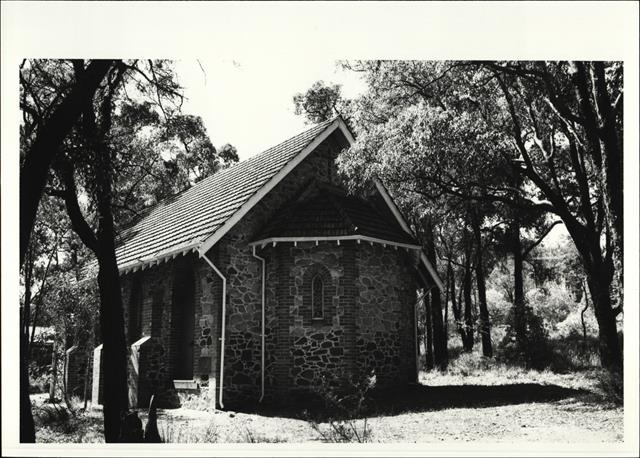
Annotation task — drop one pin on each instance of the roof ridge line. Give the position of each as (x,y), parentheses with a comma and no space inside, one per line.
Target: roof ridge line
(146,211)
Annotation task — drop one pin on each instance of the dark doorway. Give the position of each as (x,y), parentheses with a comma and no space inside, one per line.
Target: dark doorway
(183,319)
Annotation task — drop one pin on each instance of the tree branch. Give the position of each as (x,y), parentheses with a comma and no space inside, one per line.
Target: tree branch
(33,173)
(528,250)
(78,222)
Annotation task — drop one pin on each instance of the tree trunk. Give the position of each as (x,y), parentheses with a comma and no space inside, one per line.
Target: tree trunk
(467,344)
(112,327)
(518,284)
(607,132)
(33,177)
(428,333)
(456,307)
(116,400)
(26,308)
(440,353)
(584,326)
(27,428)
(485,324)
(54,371)
(599,281)
(446,306)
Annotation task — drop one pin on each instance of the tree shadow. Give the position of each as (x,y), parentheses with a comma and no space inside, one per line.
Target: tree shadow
(422,398)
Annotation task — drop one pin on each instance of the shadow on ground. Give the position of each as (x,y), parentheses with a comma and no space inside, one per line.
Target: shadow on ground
(421,398)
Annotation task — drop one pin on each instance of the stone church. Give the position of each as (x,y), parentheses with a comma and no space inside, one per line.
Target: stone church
(264,278)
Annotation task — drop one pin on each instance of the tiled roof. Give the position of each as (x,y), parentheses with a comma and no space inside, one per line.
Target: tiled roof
(186,220)
(332,213)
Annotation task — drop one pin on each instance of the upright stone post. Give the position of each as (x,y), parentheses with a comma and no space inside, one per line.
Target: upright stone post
(139,394)
(75,373)
(97,387)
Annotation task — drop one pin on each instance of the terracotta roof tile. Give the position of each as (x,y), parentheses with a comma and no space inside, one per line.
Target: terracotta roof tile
(184,221)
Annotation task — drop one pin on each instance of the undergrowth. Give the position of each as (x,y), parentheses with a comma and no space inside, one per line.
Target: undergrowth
(343,418)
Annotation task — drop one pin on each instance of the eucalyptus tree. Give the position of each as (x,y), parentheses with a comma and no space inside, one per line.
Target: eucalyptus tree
(119,158)
(471,128)
(321,102)
(565,120)
(48,116)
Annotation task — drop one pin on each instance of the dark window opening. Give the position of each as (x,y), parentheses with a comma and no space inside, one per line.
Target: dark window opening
(317,298)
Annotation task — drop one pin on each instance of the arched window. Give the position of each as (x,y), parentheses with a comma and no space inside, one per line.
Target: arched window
(317,298)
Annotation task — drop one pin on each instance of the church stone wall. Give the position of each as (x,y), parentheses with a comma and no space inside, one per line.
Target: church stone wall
(385,320)
(368,322)
(233,256)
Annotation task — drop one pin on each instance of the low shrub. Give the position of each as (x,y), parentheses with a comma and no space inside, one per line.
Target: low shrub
(249,436)
(51,414)
(344,408)
(611,386)
(571,326)
(534,352)
(182,432)
(469,363)
(552,301)
(39,378)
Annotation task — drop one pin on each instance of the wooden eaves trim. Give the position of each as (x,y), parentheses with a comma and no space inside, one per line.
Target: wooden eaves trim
(334,238)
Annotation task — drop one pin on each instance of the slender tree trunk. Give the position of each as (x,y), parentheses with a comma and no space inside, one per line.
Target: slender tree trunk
(485,324)
(584,326)
(518,283)
(446,306)
(54,371)
(428,332)
(65,377)
(440,353)
(36,312)
(456,308)
(467,343)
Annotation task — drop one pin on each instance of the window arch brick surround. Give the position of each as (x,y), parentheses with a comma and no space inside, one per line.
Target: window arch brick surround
(314,274)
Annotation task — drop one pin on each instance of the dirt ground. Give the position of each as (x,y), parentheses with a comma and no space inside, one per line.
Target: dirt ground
(536,407)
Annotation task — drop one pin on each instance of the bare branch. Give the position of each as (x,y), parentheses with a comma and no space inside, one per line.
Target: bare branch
(528,250)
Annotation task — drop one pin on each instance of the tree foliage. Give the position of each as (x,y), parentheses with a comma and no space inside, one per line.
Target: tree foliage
(539,139)
(129,147)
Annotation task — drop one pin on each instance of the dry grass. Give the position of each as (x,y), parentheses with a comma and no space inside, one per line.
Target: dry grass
(476,399)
